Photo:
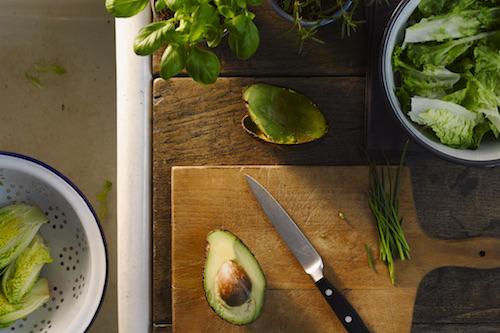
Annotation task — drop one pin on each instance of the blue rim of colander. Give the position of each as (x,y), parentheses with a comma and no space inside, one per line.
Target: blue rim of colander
(89,205)
(383,50)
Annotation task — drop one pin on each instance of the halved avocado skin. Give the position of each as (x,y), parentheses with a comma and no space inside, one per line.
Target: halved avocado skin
(258,310)
(281,115)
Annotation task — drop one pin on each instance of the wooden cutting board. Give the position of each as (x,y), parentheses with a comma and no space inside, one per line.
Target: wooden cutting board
(206,198)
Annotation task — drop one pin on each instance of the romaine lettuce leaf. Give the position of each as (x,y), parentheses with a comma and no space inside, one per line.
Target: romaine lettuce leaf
(22,273)
(487,68)
(433,7)
(19,223)
(456,24)
(441,54)
(483,87)
(453,124)
(432,81)
(33,300)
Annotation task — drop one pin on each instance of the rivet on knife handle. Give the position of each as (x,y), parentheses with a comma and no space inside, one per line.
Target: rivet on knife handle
(342,308)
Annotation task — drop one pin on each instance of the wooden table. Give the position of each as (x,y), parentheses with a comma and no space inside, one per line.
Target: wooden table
(200,125)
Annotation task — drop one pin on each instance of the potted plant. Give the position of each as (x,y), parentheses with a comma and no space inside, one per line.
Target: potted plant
(308,16)
(189,29)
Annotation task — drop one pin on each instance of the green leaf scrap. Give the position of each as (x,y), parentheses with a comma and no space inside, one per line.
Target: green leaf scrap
(369,255)
(102,199)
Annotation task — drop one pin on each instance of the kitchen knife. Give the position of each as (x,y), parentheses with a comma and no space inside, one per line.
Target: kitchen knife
(307,256)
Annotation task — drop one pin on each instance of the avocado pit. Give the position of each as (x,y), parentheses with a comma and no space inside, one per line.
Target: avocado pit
(233,284)
(233,280)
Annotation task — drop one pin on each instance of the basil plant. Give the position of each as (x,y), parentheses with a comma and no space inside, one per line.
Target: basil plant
(193,28)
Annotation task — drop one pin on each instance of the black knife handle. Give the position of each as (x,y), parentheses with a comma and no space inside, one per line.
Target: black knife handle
(342,308)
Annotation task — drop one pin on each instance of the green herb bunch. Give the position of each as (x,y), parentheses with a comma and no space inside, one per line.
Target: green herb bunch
(384,204)
(315,10)
(194,26)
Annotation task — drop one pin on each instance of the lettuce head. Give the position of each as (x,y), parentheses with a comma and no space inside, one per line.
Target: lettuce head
(23,273)
(38,295)
(19,224)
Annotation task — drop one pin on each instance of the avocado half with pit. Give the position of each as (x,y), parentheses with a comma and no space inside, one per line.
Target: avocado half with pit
(233,280)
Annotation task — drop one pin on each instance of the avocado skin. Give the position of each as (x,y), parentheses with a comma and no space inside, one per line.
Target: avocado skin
(264,281)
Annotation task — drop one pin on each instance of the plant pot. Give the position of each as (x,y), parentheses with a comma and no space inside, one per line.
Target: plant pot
(310,23)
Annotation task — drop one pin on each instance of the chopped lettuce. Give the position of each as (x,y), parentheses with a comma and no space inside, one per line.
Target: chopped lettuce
(441,54)
(448,70)
(456,24)
(432,81)
(22,273)
(38,295)
(6,308)
(487,67)
(19,224)
(437,7)
(453,124)
(432,7)
(483,88)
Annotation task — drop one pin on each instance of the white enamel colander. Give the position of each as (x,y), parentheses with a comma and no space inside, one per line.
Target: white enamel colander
(77,277)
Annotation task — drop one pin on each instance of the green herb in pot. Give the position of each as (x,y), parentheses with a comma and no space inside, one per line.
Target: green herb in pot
(193,27)
(309,15)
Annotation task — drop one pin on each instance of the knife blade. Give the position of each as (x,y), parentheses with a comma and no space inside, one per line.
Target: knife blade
(300,246)
(307,256)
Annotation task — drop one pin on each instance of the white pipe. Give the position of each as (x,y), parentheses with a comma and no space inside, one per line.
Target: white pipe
(134,104)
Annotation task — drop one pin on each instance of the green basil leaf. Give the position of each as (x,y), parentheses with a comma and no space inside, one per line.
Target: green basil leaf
(226,8)
(152,36)
(213,35)
(254,2)
(125,8)
(226,11)
(244,36)
(174,5)
(241,3)
(182,14)
(173,61)
(203,16)
(250,15)
(160,5)
(184,28)
(203,66)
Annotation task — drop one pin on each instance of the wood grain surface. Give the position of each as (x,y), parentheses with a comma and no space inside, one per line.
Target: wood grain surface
(207,198)
(278,53)
(452,201)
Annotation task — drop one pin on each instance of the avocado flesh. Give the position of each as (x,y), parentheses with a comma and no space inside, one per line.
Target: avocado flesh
(224,247)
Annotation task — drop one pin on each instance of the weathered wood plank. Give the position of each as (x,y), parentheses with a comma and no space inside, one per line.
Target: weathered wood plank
(191,129)
(278,56)
(455,328)
(198,125)
(455,201)
(473,297)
